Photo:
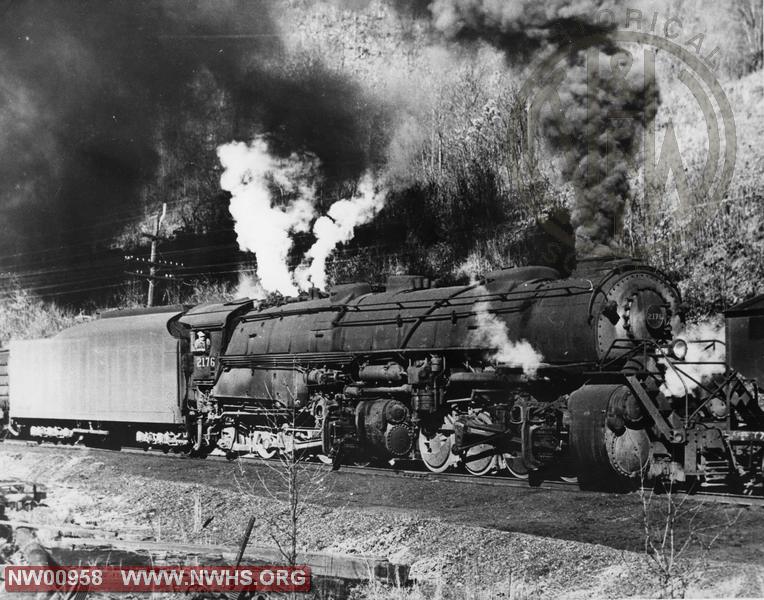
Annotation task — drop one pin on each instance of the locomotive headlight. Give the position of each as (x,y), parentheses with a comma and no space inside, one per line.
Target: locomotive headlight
(679,349)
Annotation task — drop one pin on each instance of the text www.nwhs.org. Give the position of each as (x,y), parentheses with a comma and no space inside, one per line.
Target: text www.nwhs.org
(157,579)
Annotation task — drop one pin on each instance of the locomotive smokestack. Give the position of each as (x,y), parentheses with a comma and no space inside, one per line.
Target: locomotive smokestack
(551,242)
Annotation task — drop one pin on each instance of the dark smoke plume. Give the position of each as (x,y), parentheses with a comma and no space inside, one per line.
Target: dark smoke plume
(602,113)
(83,85)
(521,28)
(86,87)
(600,129)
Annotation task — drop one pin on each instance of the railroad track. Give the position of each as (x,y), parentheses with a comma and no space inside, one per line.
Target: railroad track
(398,470)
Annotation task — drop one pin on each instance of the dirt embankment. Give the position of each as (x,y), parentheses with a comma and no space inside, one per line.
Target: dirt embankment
(449,559)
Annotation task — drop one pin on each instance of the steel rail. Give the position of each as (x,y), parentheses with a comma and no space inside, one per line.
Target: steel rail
(394,471)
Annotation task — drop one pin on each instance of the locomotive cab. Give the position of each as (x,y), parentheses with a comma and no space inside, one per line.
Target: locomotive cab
(207,328)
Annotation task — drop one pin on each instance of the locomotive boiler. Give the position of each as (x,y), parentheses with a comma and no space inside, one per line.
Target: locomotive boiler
(418,372)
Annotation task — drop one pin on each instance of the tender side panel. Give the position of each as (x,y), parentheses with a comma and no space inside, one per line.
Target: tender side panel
(745,343)
(128,375)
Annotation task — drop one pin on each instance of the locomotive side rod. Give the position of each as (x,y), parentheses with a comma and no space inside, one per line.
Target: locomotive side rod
(673,435)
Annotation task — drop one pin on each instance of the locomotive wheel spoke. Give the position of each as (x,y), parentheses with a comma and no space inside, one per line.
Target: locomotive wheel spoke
(481,459)
(227,439)
(436,449)
(263,445)
(516,466)
(568,471)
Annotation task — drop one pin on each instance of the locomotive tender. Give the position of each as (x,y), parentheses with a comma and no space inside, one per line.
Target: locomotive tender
(410,373)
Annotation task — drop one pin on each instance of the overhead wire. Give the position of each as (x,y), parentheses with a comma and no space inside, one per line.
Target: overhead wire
(132,217)
(342,255)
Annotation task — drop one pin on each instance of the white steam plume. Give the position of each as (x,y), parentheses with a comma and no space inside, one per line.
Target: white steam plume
(492,332)
(677,384)
(250,174)
(336,227)
(250,287)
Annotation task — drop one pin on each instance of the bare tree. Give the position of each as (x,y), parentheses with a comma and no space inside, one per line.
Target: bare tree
(295,482)
(676,541)
(749,14)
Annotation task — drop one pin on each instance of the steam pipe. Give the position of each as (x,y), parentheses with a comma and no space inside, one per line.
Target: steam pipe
(199,430)
(362,391)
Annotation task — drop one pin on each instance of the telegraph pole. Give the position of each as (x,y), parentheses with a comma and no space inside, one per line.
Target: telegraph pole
(157,269)
(152,267)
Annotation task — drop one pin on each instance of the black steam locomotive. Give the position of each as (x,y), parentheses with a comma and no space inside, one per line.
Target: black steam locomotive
(524,370)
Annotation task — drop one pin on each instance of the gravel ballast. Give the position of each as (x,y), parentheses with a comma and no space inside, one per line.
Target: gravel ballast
(447,559)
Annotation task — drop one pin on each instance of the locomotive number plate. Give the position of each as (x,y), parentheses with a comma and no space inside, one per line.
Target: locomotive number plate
(205,361)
